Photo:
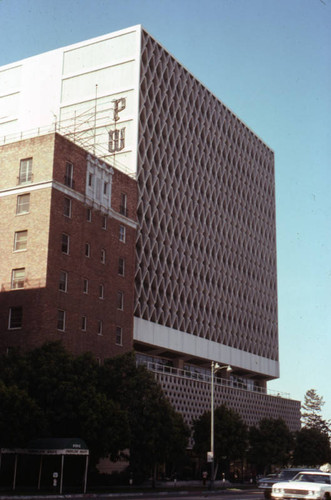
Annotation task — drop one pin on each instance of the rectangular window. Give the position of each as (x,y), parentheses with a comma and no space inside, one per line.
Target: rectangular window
(85,286)
(15,318)
(63,282)
(25,174)
(67,207)
(89,215)
(120,300)
(122,234)
(23,204)
(69,175)
(61,320)
(84,323)
(20,240)
(121,266)
(101,291)
(87,250)
(104,222)
(90,180)
(103,256)
(123,205)
(118,338)
(100,326)
(105,188)
(65,243)
(17,278)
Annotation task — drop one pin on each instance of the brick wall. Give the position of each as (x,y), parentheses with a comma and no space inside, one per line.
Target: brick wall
(44,259)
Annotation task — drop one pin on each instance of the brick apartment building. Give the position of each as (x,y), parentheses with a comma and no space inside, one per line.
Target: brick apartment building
(67,248)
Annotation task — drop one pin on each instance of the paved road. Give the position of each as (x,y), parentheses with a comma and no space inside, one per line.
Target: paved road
(229,494)
(232,494)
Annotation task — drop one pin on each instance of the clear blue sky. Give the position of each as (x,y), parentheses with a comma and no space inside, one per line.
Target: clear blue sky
(270,62)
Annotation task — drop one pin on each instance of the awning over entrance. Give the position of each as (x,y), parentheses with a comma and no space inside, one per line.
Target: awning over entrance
(50,446)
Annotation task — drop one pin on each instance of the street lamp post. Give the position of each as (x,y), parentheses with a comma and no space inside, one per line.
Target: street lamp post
(214,368)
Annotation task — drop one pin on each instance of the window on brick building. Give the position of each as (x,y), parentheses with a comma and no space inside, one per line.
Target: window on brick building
(84,323)
(25,174)
(101,291)
(17,278)
(15,319)
(20,240)
(121,266)
(100,327)
(103,256)
(122,234)
(65,241)
(123,205)
(104,222)
(120,300)
(118,336)
(69,175)
(61,320)
(88,215)
(87,250)
(90,180)
(67,207)
(85,285)
(63,281)
(23,204)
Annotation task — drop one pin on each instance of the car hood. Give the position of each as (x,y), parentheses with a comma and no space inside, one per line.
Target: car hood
(298,485)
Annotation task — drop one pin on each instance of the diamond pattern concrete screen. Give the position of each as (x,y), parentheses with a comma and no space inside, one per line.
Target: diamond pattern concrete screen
(206,247)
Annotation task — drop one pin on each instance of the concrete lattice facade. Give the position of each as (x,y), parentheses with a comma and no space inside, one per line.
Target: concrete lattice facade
(190,395)
(205,272)
(206,250)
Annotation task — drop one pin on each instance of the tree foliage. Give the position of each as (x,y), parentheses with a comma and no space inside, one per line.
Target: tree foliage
(312,447)
(158,434)
(51,393)
(230,434)
(20,417)
(270,443)
(311,414)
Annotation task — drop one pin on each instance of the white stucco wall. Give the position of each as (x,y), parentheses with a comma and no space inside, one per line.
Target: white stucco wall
(74,87)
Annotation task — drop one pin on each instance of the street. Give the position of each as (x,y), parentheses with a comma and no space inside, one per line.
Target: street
(230,494)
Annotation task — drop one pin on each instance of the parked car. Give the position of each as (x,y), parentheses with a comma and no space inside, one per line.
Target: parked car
(305,485)
(266,483)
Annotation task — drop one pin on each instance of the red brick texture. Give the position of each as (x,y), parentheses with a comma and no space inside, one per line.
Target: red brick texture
(44,260)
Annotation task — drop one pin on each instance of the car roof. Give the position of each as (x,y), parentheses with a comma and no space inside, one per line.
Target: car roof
(316,472)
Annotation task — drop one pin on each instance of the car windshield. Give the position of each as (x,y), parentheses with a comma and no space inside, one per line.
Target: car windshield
(287,474)
(313,478)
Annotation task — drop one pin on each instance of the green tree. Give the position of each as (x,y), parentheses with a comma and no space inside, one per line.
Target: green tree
(157,433)
(270,444)
(112,407)
(311,414)
(312,447)
(65,389)
(230,435)
(20,417)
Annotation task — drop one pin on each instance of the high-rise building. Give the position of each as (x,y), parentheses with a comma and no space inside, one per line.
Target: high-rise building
(205,253)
